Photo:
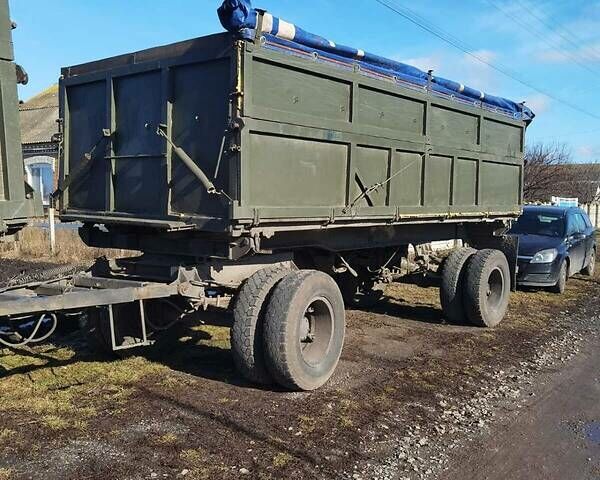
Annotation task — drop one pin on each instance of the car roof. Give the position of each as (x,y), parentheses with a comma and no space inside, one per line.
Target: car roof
(551,209)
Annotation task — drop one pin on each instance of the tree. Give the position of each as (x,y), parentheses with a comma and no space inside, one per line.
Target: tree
(540,172)
(550,171)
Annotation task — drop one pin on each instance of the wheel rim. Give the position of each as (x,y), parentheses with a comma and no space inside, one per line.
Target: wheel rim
(316,331)
(495,289)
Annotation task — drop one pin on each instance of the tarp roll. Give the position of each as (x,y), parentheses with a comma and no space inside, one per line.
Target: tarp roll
(240,17)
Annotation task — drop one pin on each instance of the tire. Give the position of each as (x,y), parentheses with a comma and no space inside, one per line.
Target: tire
(486,288)
(451,289)
(563,275)
(95,326)
(591,266)
(248,324)
(304,330)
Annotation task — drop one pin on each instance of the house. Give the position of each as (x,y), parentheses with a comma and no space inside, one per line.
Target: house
(39,137)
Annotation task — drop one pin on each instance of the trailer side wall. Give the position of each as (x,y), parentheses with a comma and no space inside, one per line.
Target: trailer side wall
(291,141)
(318,137)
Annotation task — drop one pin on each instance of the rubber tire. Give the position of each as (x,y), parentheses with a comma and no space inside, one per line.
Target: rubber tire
(248,324)
(478,269)
(561,285)
(591,267)
(95,326)
(285,310)
(453,279)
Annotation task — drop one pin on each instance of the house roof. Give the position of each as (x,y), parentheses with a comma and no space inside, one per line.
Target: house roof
(38,117)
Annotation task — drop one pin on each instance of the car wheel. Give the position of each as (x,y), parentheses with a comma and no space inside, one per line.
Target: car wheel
(561,284)
(591,267)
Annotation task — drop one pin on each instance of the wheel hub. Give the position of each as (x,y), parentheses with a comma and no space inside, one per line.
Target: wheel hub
(315,331)
(306,335)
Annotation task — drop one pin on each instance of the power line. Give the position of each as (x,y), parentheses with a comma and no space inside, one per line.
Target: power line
(573,40)
(555,47)
(422,23)
(571,134)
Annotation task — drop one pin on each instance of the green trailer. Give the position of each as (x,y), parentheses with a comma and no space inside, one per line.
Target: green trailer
(18,202)
(282,181)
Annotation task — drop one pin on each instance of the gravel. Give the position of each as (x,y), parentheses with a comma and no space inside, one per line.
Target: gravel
(423,451)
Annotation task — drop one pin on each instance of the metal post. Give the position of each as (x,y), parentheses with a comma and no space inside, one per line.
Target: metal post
(52,225)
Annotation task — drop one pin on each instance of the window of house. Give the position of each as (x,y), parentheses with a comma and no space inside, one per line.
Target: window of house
(40,175)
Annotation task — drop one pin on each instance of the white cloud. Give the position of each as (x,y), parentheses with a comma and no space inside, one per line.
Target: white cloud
(586,151)
(432,62)
(538,102)
(584,53)
(460,67)
(475,72)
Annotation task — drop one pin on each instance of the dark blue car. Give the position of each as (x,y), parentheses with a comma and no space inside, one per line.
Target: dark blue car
(554,244)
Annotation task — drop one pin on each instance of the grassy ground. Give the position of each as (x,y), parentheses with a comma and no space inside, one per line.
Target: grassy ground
(70,413)
(33,243)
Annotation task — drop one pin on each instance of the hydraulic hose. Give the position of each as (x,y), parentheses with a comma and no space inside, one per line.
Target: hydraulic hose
(31,338)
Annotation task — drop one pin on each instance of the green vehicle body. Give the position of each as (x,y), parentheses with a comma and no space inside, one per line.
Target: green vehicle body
(300,151)
(18,202)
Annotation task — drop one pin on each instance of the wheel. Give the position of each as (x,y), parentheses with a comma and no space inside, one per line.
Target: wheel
(162,327)
(591,266)
(486,288)
(304,330)
(451,289)
(248,324)
(561,283)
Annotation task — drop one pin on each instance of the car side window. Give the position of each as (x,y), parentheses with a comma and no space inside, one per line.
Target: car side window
(586,219)
(571,224)
(580,223)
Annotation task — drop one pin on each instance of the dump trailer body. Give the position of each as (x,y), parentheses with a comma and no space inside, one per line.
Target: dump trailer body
(291,141)
(18,202)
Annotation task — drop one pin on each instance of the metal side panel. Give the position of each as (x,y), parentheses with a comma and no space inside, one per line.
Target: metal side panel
(200,115)
(18,202)
(317,135)
(6,45)
(185,90)
(139,180)
(85,119)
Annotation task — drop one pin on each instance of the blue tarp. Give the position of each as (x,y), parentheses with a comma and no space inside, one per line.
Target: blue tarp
(238,16)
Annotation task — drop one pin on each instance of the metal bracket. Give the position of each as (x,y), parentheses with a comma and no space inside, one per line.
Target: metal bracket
(260,18)
(144,343)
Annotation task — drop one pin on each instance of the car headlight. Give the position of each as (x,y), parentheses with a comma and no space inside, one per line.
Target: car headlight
(545,256)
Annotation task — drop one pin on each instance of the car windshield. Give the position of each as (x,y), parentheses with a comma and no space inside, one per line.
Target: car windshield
(540,223)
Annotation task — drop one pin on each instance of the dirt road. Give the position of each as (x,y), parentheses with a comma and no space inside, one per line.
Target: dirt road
(410,394)
(555,436)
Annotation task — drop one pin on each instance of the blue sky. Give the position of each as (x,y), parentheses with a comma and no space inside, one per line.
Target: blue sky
(513,33)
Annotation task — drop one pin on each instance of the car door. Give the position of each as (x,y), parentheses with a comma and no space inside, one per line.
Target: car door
(575,242)
(590,237)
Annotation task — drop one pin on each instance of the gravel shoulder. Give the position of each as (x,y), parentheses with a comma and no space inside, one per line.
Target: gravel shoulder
(555,434)
(410,393)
